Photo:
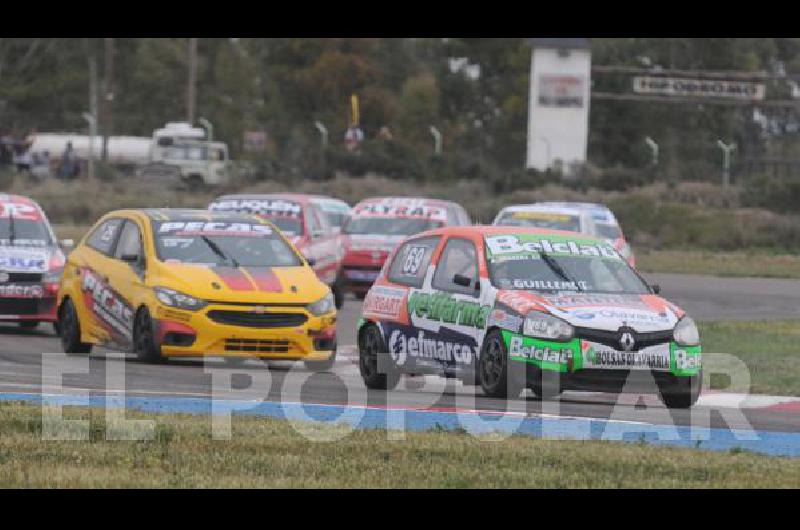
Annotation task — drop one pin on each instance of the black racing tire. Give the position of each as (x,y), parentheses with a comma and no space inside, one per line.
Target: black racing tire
(497,378)
(684,393)
(28,324)
(321,366)
(370,347)
(144,341)
(338,294)
(70,330)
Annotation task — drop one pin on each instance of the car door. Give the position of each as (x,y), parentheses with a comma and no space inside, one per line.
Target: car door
(454,314)
(126,275)
(93,263)
(322,245)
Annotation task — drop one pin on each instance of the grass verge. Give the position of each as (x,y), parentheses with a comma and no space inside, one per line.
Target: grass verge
(770,349)
(267,452)
(757,264)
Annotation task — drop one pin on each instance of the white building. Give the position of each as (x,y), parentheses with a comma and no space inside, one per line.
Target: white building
(558,106)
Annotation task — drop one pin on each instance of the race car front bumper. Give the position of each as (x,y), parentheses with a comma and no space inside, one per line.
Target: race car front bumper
(582,364)
(285,333)
(28,309)
(360,268)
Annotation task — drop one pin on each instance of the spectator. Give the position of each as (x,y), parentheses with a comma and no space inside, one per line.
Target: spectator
(69,164)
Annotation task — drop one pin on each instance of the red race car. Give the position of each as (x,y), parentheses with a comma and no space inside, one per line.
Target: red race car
(302,220)
(378,224)
(31,263)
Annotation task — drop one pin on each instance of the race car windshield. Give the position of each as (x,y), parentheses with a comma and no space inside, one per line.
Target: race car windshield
(608,231)
(222,243)
(552,221)
(336,219)
(531,262)
(590,275)
(24,232)
(389,226)
(288,225)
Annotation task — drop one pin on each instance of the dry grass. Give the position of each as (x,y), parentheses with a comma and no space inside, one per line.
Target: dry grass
(689,216)
(760,264)
(270,453)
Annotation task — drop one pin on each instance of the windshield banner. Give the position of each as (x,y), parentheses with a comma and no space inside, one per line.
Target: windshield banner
(213,228)
(528,246)
(410,208)
(267,207)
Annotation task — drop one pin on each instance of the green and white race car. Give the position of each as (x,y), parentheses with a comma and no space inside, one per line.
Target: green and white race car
(512,307)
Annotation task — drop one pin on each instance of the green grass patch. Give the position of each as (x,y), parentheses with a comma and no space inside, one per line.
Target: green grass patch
(770,349)
(266,452)
(719,263)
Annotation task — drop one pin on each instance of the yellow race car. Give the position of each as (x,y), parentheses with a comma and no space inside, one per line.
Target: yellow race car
(187,283)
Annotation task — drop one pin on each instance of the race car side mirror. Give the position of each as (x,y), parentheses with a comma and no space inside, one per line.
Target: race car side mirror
(655,288)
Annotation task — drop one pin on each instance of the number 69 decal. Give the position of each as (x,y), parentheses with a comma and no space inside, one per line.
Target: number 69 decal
(413,260)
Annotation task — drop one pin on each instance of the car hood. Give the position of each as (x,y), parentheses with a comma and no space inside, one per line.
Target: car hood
(599,311)
(260,285)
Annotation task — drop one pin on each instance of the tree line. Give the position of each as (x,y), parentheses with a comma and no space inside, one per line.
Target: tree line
(472,90)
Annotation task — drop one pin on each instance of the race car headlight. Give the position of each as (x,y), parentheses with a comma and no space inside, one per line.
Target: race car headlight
(686,333)
(321,306)
(543,326)
(178,299)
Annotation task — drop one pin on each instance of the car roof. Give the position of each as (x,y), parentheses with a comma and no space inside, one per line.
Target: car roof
(495,230)
(425,200)
(301,198)
(186,214)
(607,215)
(22,199)
(541,207)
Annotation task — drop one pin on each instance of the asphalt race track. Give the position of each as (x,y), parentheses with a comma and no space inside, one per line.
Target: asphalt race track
(23,352)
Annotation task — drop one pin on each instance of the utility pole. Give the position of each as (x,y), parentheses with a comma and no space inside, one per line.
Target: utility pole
(437,140)
(653,150)
(108,95)
(726,162)
(191,89)
(91,116)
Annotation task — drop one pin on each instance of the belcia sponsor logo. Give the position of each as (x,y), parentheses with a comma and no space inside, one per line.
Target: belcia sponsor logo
(517,348)
(683,361)
(515,244)
(107,304)
(420,346)
(444,308)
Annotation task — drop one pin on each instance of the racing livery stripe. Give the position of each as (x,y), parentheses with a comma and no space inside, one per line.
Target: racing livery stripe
(235,279)
(265,279)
